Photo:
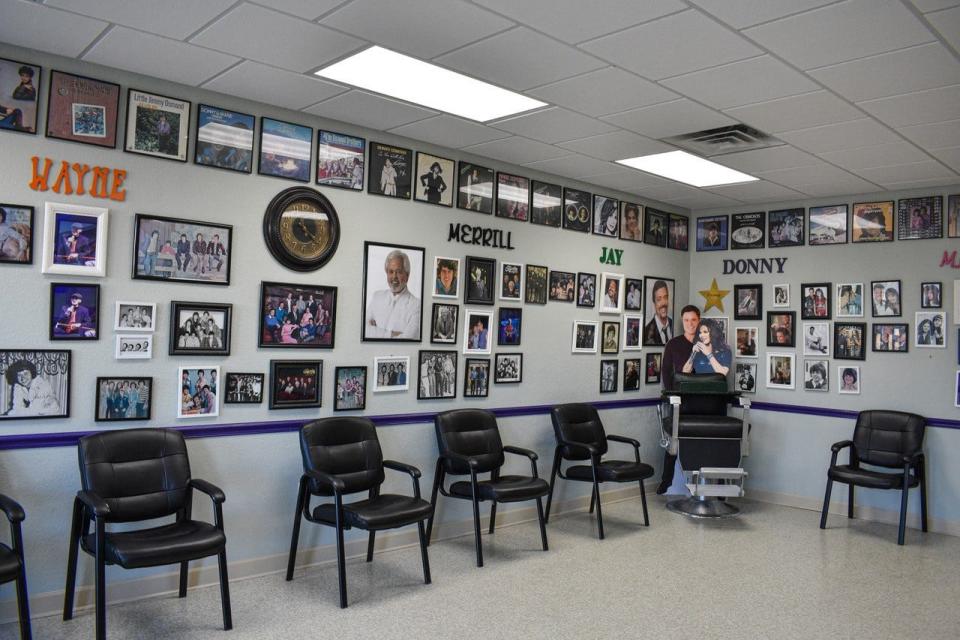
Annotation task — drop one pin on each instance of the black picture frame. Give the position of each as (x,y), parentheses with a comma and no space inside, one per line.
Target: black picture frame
(432,187)
(890,337)
(442,384)
(234,383)
(375,282)
(631,374)
(828,225)
(631,221)
(786,227)
(475,188)
(145,135)
(652,368)
(210,148)
(748,230)
(342,385)
(920,218)
(748,308)
(849,340)
(576,210)
(610,346)
(652,336)
(563,286)
(931,295)
(52,366)
(27,95)
(655,227)
(73,121)
(814,306)
(281,150)
(678,235)
(609,375)
(546,204)
(586,290)
(509,326)
(605,209)
(341,160)
(707,240)
(480,280)
(166,267)
(508,368)
(872,221)
(74,322)
(301,229)
(318,311)
(19,218)
(513,196)
(395,180)
(633,294)
(785,321)
(444,330)
(886,308)
(180,337)
(286,372)
(535,284)
(479,387)
(108,412)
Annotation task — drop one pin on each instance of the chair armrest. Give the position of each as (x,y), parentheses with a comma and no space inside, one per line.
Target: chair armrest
(328,479)
(12,508)
(913,458)
(730,395)
(97,505)
(212,490)
(458,457)
(837,446)
(403,467)
(624,440)
(520,451)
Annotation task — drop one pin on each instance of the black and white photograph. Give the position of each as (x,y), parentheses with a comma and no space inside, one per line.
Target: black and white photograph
(157,125)
(885,298)
(562,286)
(546,206)
(781,328)
(631,218)
(780,370)
(849,299)
(480,279)
(21,82)
(891,336)
(931,295)
(244,388)
(872,222)
(16,234)
(443,323)
(930,329)
(508,368)
(848,379)
(608,375)
(285,150)
(781,295)
(131,346)
(828,225)
(576,210)
(434,180)
(392,292)
(74,240)
(748,230)
(610,337)
(816,339)
(631,374)
(390,171)
(513,196)
(658,312)
(476,377)
(652,368)
(606,216)
(511,281)
(509,326)
(350,392)
(677,237)
(446,282)
(176,250)
(634,294)
(437,375)
(198,393)
(585,336)
(748,301)
(297,315)
(816,375)
(121,399)
(391,373)
(200,328)
(224,139)
(340,160)
(632,332)
(816,304)
(785,228)
(746,377)
(35,384)
(587,290)
(850,340)
(135,316)
(920,218)
(74,311)
(475,188)
(296,384)
(747,342)
(535,289)
(477,337)
(655,227)
(611,293)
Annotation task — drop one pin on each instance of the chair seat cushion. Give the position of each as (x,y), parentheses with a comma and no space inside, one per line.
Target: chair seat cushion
(168,544)
(386,511)
(9,564)
(869,478)
(697,426)
(504,489)
(611,471)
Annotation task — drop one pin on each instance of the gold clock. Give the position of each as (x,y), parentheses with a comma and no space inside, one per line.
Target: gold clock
(301,228)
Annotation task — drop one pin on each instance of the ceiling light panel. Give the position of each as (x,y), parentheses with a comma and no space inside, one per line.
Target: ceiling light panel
(687,168)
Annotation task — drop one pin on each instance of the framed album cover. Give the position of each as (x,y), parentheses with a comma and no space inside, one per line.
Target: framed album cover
(535,291)
(920,218)
(74,311)
(434,180)
(474,188)
(785,228)
(82,109)
(606,216)
(747,230)
(476,377)
(655,226)
(176,250)
(340,160)
(390,171)
(20,82)
(200,328)
(480,280)
(244,388)
(677,238)
(630,221)
(546,207)
(36,384)
(285,150)
(297,315)
(296,384)
(350,393)
(513,196)
(224,139)
(121,399)
(828,225)
(74,240)
(576,210)
(849,340)
(16,234)
(157,126)
(712,233)
(872,222)
(392,292)
(198,392)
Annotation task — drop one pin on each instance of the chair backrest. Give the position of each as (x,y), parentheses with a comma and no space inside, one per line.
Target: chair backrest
(469,432)
(578,422)
(140,473)
(882,438)
(705,405)
(346,447)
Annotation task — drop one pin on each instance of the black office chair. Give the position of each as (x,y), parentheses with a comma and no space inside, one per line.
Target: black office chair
(886,439)
(341,456)
(133,475)
(469,443)
(12,566)
(580,436)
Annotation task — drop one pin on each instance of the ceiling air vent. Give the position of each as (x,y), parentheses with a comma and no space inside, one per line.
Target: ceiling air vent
(715,142)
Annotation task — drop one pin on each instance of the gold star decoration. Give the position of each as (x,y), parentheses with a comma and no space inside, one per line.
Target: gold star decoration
(714,296)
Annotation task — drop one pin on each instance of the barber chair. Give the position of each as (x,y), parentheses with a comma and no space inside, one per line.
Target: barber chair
(708,443)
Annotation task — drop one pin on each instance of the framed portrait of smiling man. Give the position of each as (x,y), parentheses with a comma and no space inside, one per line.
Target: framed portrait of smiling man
(392,292)
(658,314)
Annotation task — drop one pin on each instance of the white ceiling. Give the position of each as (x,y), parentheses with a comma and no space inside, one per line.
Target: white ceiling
(865,94)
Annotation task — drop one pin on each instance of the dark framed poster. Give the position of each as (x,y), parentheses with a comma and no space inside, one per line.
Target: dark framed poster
(748,230)
(224,139)
(19,81)
(434,180)
(785,228)
(157,126)
(513,196)
(576,210)
(390,169)
(655,227)
(679,232)
(340,160)
(920,218)
(712,233)
(547,204)
(285,150)
(475,188)
(82,109)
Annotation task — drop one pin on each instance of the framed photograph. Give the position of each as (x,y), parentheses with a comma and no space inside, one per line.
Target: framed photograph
(74,311)
(433,175)
(443,323)
(437,374)
(677,237)
(198,394)
(447,277)
(653,361)
(224,139)
(157,126)
(747,342)
(608,376)
(546,204)
(296,384)
(885,298)
(746,377)
(849,340)
(474,188)
(244,388)
(634,295)
(828,225)
(511,281)
(748,299)
(480,279)
(508,368)
(712,233)
(953,216)
(476,377)
(632,330)
(655,227)
(780,370)
(611,284)
(562,288)
(658,315)
(748,230)
(390,171)
(606,216)
(931,295)
(391,373)
(584,336)
(509,326)
(891,337)
(16,233)
(393,296)
(74,240)
(576,210)
(931,329)
(587,290)
(350,392)
(19,81)
(285,150)
(849,379)
(631,374)
(535,291)
(135,316)
(340,160)
(513,196)
(872,222)
(610,337)
(781,295)
(82,109)
(476,332)
(131,346)
(956,390)
(816,301)
(200,328)
(178,250)
(920,218)
(816,339)
(785,228)
(849,299)
(35,384)
(297,315)
(122,399)
(816,375)
(780,328)
(630,222)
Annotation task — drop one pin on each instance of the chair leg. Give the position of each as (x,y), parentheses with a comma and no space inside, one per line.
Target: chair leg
(370,542)
(476,530)
(493,516)
(224,590)
(826,504)
(922,470)
(553,480)
(643,501)
(850,501)
(593,499)
(295,538)
(596,497)
(904,492)
(437,480)
(72,553)
(423,553)
(341,559)
(184,569)
(543,525)
(23,603)
(101,579)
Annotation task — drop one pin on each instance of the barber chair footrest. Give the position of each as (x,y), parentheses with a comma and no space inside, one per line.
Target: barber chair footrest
(700,508)
(715,490)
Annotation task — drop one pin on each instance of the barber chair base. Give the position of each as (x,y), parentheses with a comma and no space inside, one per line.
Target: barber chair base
(702,507)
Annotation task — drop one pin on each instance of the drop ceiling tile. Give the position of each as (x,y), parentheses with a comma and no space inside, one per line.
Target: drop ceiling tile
(706,200)
(934,5)
(273,86)
(420,28)
(927,170)
(574,21)
(629,180)
(572,166)
(369,110)
(670,192)
(949,156)
(935,135)
(553,125)
(25,24)
(841,32)
(919,107)
(306,9)
(845,135)
(744,82)
(740,14)
(449,131)
(947,24)
(799,176)
(516,150)
(616,146)
(796,112)
(838,188)
(754,192)
(918,184)
(171,18)
(670,118)
(602,92)
(662,48)
(780,157)
(922,67)
(297,45)
(156,56)
(884,155)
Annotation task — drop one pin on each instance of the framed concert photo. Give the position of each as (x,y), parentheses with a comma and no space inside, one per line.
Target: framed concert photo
(157,126)
(297,315)
(74,311)
(509,326)
(200,328)
(74,240)
(177,250)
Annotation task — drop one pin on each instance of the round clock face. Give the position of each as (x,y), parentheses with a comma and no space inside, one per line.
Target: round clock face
(301,229)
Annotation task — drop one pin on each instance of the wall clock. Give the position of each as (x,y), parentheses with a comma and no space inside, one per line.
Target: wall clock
(301,228)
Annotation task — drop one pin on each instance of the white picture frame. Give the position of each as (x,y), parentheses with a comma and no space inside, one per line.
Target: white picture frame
(588,338)
(848,297)
(781,295)
(842,386)
(603,298)
(743,338)
(66,255)
(632,332)
(816,367)
(197,377)
(937,337)
(817,343)
(480,343)
(505,293)
(142,311)
(440,290)
(745,377)
(380,383)
(781,370)
(133,347)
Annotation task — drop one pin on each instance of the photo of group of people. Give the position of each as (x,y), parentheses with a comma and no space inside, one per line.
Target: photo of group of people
(295,384)
(562,286)
(476,378)
(297,315)
(244,388)
(124,399)
(391,373)
(351,392)
(437,375)
(186,250)
(200,328)
(508,368)
(199,392)
(340,160)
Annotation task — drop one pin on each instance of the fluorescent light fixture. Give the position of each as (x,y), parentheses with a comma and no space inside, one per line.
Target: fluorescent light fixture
(399,76)
(689,169)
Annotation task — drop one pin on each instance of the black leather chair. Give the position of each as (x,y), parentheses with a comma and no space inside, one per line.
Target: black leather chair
(886,439)
(469,443)
(341,456)
(133,475)
(580,436)
(12,567)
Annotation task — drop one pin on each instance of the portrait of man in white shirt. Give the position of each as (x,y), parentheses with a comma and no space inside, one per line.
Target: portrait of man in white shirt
(393,312)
